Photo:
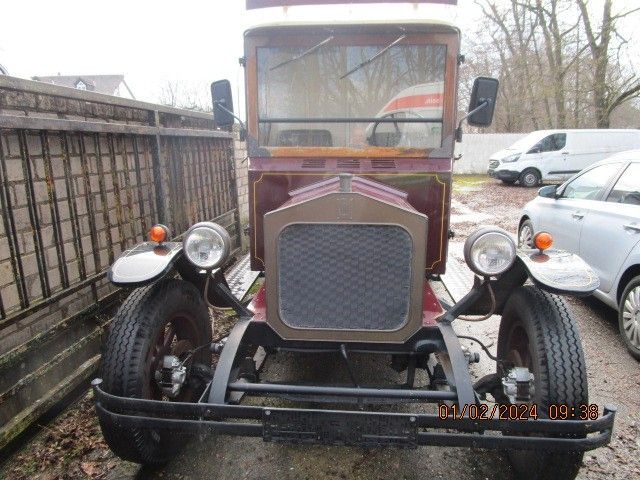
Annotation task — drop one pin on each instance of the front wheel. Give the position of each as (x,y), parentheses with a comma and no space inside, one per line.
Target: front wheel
(525,234)
(629,317)
(166,318)
(530,178)
(538,332)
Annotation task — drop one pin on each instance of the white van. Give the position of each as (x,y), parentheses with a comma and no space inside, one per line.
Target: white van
(557,154)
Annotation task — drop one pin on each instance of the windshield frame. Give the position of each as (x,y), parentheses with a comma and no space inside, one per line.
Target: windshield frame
(306,36)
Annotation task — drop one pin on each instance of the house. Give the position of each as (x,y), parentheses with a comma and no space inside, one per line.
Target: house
(107,84)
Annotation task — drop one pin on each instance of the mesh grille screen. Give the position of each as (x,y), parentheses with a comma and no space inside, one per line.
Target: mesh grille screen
(346,277)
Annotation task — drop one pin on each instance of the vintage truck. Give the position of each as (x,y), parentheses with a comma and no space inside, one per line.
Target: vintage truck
(351,232)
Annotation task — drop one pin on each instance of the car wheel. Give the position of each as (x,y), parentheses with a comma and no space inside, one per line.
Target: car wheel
(530,178)
(629,317)
(525,234)
(538,332)
(167,318)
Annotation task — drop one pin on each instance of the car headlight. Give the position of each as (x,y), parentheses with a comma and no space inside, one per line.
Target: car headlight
(511,158)
(206,245)
(489,251)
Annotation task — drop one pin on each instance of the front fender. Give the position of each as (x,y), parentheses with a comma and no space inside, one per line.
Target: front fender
(555,271)
(145,263)
(558,271)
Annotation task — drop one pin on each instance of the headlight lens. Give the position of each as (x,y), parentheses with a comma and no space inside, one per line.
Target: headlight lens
(206,245)
(511,158)
(490,251)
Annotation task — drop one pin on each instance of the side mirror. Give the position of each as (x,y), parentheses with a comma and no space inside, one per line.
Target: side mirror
(485,92)
(223,115)
(549,191)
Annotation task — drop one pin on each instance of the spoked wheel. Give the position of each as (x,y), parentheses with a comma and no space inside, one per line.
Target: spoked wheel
(525,234)
(166,318)
(537,332)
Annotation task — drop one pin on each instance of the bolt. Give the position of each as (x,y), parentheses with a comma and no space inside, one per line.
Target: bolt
(412,419)
(267,413)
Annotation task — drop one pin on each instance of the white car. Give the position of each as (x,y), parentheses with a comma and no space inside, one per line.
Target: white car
(596,214)
(556,155)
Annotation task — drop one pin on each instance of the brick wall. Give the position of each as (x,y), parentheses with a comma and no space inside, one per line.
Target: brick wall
(242,181)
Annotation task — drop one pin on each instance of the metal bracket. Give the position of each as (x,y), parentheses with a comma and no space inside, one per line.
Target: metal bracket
(222,375)
(459,365)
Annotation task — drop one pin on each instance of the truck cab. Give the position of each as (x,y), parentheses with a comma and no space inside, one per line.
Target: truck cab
(350,129)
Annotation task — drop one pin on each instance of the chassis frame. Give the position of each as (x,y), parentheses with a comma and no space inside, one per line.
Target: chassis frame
(218,409)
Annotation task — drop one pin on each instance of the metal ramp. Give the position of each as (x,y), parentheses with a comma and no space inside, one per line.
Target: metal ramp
(240,277)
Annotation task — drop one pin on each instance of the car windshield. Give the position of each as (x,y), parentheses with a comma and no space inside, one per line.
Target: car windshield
(526,142)
(351,96)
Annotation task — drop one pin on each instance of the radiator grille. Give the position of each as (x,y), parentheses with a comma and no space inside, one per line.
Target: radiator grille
(345,277)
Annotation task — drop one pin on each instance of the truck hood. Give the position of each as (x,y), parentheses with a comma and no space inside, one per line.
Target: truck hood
(500,154)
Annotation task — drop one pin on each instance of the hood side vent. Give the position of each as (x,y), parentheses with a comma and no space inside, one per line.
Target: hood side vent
(383,163)
(349,163)
(314,163)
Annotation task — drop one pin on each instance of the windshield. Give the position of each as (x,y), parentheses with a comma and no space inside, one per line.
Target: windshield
(351,96)
(526,142)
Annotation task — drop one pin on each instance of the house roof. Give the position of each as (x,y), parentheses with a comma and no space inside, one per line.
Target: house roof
(96,83)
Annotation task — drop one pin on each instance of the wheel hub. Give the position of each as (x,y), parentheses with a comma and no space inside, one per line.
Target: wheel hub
(518,385)
(171,376)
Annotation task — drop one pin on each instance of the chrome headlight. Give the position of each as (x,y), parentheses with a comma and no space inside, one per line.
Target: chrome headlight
(511,158)
(206,245)
(489,251)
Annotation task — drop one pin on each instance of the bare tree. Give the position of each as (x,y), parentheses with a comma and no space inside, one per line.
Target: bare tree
(556,67)
(608,93)
(187,95)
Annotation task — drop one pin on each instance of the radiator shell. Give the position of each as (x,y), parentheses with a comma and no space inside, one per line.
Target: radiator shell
(338,299)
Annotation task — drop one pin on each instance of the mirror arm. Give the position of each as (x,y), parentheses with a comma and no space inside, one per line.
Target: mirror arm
(222,107)
(477,109)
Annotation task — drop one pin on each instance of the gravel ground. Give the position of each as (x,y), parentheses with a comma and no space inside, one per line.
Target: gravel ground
(71,446)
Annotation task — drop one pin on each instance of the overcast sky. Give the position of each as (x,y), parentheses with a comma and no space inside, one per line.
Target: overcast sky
(151,42)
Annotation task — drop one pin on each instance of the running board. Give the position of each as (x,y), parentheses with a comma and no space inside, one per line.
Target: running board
(240,277)
(458,280)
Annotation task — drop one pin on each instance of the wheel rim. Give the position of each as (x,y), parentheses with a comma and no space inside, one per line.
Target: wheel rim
(530,179)
(526,236)
(631,317)
(177,337)
(517,351)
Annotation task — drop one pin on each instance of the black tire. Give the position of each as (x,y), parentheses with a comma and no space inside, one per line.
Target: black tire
(537,331)
(530,178)
(525,234)
(167,316)
(629,317)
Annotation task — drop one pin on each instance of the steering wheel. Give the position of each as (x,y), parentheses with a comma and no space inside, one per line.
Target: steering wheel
(398,133)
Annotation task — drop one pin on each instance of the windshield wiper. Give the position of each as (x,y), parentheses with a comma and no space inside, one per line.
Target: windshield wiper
(304,54)
(369,60)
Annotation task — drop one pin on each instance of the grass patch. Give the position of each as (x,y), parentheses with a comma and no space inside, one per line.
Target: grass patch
(468,183)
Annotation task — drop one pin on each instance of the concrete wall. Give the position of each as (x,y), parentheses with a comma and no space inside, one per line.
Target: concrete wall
(476,148)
